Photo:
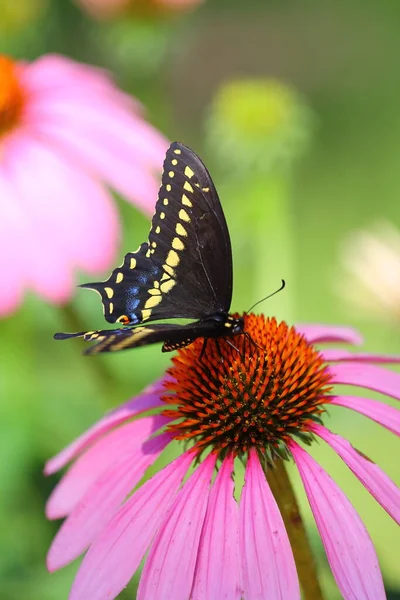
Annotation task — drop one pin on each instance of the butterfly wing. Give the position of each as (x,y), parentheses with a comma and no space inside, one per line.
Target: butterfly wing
(185,268)
(112,340)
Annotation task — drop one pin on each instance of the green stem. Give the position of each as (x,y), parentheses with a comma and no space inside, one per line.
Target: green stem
(282,489)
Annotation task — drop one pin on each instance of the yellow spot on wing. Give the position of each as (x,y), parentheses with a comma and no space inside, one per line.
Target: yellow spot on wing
(133,263)
(188,172)
(153,301)
(154,244)
(109,291)
(171,174)
(119,277)
(168,187)
(169,272)
(165,201)
(155,291)
(137,334)
(206,189)
(167,285)
(187,186)
(177,244)
(184,216)
(172,259)
(111,307)
(156,284)
(177,151)
(158,229)
(174,162)
(148,253)
(162,215)
(186,201)
(180,230)
(146,314)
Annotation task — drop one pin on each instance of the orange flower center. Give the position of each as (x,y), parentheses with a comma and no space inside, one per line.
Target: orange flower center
(267,388)
(11,95)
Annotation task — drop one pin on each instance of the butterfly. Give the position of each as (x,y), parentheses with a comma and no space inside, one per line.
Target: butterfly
(184,270)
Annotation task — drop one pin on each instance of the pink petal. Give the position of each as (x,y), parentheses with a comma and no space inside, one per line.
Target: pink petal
(106,161)
(117,552)
(13,230)
(96,116)
(385,415)
(70,212)
(269,570)
(169,569)
(218,567)
(348,546)
(149,398)
(90,465)
(329,333)
(367,376)
(379,485)
(101,501)
(345,355)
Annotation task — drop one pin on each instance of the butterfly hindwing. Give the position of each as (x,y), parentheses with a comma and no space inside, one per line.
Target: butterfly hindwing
(112,340)
(185,268)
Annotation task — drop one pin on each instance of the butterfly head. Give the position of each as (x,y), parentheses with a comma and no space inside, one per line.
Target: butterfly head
(234,325)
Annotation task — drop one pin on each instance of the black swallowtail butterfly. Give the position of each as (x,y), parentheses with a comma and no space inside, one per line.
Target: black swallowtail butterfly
(184,270)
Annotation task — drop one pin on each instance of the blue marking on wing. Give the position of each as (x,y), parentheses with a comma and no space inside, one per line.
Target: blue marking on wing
(142,278)
(132,303)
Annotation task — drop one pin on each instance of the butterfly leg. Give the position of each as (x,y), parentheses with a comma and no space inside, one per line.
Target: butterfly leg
(248,336)
(228,341)
(205,340)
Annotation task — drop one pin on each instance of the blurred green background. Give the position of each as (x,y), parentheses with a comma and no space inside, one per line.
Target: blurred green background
(288,214)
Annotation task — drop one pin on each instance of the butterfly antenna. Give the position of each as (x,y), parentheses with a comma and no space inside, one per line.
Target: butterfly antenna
(266,297)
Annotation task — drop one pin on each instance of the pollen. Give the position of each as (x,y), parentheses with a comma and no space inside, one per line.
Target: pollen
(12,96)
(253,390)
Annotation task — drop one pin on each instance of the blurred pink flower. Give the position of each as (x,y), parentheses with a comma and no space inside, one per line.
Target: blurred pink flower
(247,404)
(111,8)
(66,131)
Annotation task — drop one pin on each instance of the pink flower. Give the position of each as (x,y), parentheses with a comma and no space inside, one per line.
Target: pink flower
(250,404)
(111,8)
(65,131)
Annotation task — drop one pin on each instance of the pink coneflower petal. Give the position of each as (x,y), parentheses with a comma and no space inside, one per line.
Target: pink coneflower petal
(269,570)
(48,266)
(385,415)
(13,266)
(67,133)
(218,567)
(148,399)
(327,333)
(101,501)
(367,376)
(379,485)
(107,162)
(169,569)
(89,231)
(90,465)
(348,546)
(101,117)
(346,355)
(117,552)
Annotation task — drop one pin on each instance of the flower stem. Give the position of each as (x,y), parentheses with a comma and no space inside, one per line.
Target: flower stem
(282,489)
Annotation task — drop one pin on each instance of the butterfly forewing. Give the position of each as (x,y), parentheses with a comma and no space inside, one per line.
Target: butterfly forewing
(185,268)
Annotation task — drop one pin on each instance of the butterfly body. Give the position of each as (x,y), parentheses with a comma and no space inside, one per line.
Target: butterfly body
(184,270)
